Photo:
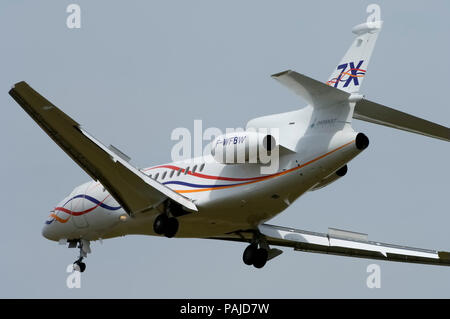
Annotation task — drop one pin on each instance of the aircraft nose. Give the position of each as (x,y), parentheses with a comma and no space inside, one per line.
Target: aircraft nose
(47,230)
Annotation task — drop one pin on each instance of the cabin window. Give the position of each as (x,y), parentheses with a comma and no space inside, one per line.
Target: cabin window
(179,171)
(202,167)
(194,168)
(171,173)
(164,175)
(186,170)
(156,176)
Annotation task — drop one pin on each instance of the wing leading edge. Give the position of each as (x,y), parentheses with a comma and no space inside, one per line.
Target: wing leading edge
(132,189)
(372,112)
(344,243)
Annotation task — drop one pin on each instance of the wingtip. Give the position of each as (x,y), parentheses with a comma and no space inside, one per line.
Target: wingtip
(16,84)
(444,255)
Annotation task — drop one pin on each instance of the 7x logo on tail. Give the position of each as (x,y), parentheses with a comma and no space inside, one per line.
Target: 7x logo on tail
(348,75)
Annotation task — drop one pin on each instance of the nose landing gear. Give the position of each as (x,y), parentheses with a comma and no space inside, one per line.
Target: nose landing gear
(79,265)
(84,246)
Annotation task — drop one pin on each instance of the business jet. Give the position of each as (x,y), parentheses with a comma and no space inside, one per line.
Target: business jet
(216,197)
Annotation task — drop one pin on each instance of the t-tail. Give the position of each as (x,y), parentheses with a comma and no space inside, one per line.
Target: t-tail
(338,98)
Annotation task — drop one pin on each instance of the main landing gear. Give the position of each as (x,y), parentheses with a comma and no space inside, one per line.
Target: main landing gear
(165,225)
(255,256)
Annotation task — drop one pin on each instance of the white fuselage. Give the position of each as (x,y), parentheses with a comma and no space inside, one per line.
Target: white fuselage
(229,197)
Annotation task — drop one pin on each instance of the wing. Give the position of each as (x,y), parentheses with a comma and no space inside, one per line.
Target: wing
(368,111)
(343,243)
(131,188)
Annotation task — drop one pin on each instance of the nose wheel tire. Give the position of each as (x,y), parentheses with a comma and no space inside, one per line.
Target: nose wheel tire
(255,256)
(167,226)
(79,265)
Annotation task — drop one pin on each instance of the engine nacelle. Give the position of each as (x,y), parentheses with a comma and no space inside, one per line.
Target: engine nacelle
(331,178)
(243,147)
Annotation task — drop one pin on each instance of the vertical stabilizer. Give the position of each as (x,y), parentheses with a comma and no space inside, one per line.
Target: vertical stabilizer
(350,72)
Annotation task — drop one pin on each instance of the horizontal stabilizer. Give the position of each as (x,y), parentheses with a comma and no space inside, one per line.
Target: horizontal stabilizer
(379,114)
(316,93)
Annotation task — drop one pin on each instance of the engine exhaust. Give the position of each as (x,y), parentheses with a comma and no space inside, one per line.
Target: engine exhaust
(362,141)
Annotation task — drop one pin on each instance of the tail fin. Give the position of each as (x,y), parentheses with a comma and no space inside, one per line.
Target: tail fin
(339,97)
(352,69)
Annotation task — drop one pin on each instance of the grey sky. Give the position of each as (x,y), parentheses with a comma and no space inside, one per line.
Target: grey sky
(138,69)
